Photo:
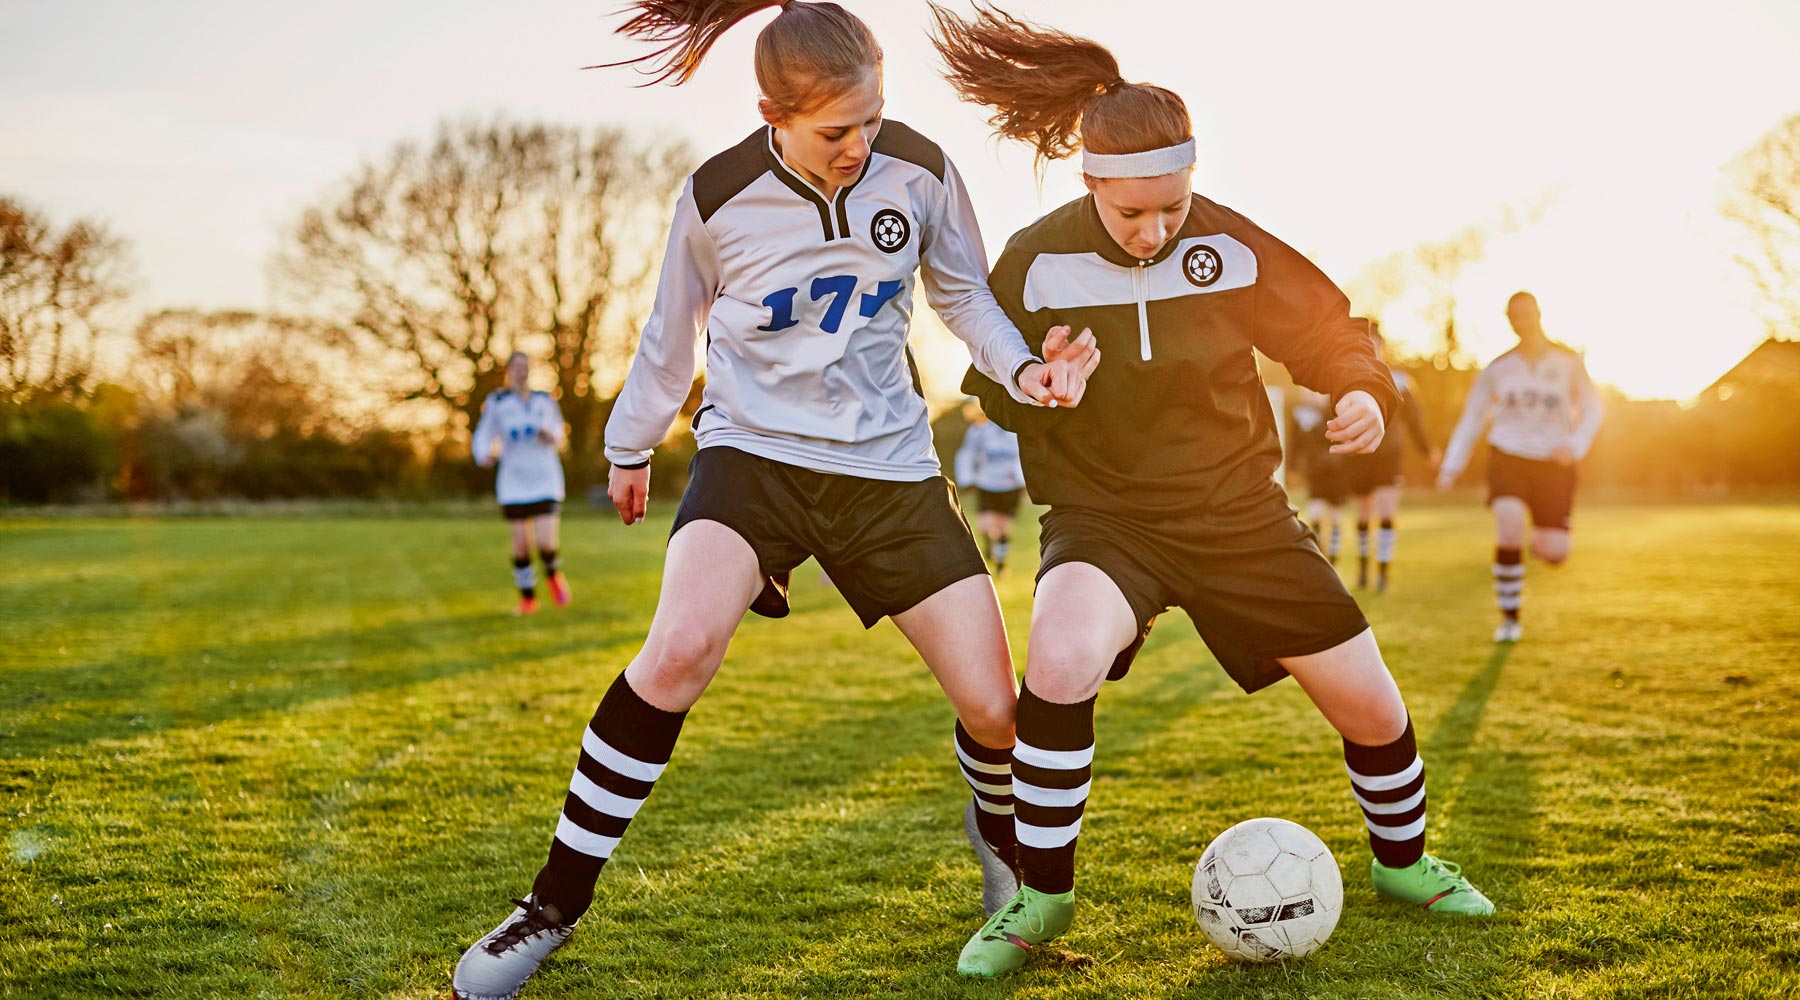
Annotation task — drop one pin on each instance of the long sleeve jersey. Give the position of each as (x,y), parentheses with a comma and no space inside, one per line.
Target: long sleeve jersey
(530,470)
(1175,421)
(1529,409)
(805,304)
(988,459)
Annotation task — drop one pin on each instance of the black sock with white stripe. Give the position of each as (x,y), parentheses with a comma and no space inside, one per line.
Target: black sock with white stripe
(1509,581)
(552,564)
(1389,783)
(524,577)
(623,751)
(1052,768)
(1362,548)
(988,770)
(1002,547)
(1384,544)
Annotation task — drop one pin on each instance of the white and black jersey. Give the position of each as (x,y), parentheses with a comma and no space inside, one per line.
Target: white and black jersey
(988,459)
(805,304)
(530,470)
(1528,408)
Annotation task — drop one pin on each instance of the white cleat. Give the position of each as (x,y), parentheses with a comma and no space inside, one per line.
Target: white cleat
(496,967)
(1509,631)
(998,883)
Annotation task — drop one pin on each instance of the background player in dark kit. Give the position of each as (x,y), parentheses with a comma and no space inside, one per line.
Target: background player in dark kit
(1375,478)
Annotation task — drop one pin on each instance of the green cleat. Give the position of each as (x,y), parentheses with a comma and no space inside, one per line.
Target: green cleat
(1436,885)
(1006,940)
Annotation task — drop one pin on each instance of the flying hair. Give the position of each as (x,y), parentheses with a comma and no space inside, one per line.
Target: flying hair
(806,55)
(1054,91)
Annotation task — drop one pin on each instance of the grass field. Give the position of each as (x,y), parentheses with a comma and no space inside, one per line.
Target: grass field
(300,757)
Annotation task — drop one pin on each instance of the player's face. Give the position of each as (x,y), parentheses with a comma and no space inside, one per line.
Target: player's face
(1141,213)
(1524,317)
(830,145)
(518,372)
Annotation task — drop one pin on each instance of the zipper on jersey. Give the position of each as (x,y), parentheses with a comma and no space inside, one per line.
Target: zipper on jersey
(1140,286)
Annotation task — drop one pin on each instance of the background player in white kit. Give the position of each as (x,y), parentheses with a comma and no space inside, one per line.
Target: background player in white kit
(523,432)
(987,461)
(1540,412)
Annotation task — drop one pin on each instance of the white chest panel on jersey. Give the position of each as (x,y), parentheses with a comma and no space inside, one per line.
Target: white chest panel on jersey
(529,468)
(1533,409)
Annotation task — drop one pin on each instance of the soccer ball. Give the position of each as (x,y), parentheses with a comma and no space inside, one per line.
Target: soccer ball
(1267,890)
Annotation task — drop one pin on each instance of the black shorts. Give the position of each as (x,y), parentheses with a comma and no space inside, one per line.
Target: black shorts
(523,511)
(886,546)
(998,502)
(1547,488)
(1368,473)
(1255,595)
(1328,479)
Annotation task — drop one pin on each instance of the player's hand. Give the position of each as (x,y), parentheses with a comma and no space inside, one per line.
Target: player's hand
(1563,456)
(1436,455)
(1082,352)
(1357,429)
(630,492)
(488,462)
(1444,482)
(544,436)
(1057,383)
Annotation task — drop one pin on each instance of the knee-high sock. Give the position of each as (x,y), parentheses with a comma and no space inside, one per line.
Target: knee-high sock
(524,577)
(1509,580)
(1337,535)
(1002,546)
(1384,542)
(623,751)
(1389,783)
(1052,769)
(552,561)
(988,770)
(1362,544)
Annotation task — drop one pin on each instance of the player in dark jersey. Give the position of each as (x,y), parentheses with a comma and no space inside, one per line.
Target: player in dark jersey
(1326,473)
(1161,486)
(1375,479)
(793,256)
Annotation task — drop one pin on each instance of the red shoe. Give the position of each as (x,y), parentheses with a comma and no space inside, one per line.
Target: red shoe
(559,589)
(527,606)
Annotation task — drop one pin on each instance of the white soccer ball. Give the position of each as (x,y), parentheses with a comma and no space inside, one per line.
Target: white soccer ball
(1267,890)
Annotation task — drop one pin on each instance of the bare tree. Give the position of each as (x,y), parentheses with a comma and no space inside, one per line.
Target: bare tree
(495,236)
(253,372)
(1762,196)
(57,293)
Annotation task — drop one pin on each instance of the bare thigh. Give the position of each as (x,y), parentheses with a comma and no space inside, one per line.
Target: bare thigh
(961,637)
(1351,686)
(710,576)
(1080,622)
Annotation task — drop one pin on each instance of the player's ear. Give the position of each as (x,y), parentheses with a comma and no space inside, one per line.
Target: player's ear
(770,113)
(1092,185)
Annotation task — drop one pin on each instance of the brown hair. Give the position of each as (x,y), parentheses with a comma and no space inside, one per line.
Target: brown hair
(808,53)
(1056,91)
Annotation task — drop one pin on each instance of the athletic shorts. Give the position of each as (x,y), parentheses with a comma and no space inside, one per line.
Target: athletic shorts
(1328,479)
(1255,595)
(536,508)
(998,502)
(1368,473)
(1547,488)
(886,546)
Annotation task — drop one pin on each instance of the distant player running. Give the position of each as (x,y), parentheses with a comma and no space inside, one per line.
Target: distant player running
(522,430)
(792,258)
(1375,479)
(1327,473)
(988,463)
(1161,486)
(1540,412)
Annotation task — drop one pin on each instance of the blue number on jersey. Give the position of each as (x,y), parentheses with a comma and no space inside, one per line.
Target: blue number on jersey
(839,288)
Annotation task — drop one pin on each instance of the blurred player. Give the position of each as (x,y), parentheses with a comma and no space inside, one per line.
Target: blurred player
(988,463)
(1375,479)
(522,430)
(1327,474)
(1540,412)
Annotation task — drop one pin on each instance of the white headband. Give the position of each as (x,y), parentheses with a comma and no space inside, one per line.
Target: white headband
(1149,163)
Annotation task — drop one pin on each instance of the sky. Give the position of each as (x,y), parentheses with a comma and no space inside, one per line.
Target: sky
(200,130)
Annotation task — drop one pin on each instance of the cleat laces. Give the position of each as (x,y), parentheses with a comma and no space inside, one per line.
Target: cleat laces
(534,921)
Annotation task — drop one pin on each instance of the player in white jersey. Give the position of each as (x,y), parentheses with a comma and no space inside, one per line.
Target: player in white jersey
(1540,412)
(522,431)
(987,462)
(792,256)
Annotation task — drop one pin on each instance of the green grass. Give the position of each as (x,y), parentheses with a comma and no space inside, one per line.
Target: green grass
(312,757)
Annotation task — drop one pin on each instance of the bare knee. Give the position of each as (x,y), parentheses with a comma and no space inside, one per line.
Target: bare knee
(990,725)
(673,669)
(1067,669)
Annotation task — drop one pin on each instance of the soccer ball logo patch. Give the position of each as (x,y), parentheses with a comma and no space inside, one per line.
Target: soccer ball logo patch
(889,230)
(1202,266)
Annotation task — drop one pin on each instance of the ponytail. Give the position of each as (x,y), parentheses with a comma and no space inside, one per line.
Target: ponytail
(1055,91)
(810,52)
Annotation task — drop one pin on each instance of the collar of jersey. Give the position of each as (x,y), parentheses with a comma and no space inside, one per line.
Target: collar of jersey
(838,228)
(1112,252)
